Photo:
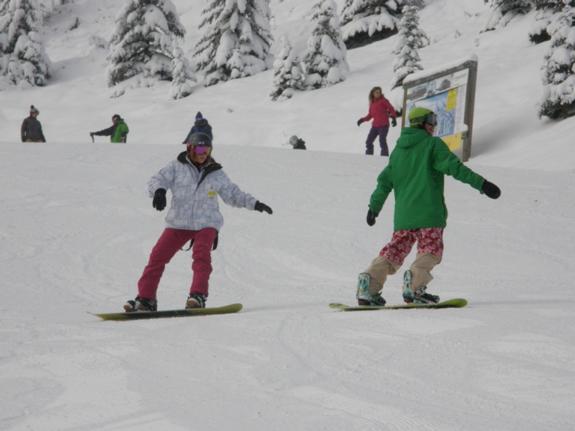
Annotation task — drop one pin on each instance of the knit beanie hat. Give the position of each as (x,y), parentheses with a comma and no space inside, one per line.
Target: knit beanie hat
(199,139)
(201,125)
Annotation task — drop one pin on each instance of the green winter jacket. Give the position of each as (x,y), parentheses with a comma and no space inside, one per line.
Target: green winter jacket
(415,173)
(118,133)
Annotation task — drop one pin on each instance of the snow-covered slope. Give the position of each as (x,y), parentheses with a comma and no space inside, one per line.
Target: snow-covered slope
(76,231)
(507,131)
(77,227)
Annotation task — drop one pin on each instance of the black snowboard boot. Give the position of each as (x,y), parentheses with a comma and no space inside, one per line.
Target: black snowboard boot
(196,300)
(140,304)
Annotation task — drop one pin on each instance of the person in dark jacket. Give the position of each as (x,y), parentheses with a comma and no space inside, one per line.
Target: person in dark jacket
(31,130)
(297,143)
(415,172)
(118,132)
(201,125)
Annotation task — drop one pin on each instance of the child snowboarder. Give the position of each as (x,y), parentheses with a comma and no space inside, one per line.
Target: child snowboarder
(380,109)
(118,131)
(195,181)
(415,173)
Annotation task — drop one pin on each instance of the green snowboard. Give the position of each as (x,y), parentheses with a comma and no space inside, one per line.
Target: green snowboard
(450,303)
(226,309)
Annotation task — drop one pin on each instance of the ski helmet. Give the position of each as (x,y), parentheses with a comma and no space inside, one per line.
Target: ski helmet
(419,116)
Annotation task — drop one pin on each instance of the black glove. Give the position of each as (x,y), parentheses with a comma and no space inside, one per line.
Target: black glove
(261,207)
(159,201)
(370,217)
(359,121)
(393,122)
(490,189)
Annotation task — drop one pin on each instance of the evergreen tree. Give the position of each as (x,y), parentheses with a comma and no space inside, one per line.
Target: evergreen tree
(325,61)
(288,74)
(546,9)
(23,60)
(559,68)
(48,7)
(236,40)
(182,81)
(410,39)
(367,21)
(505,10)
(143,41)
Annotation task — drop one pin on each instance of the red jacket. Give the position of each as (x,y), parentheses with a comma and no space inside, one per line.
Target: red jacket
(380,110)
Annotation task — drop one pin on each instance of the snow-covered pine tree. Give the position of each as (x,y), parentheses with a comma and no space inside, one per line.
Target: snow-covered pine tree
(47,7)
(546,9)
(411,37)
(325,60)
(182,80)
(143,40)
(288,73)
(505,10)
(367,21)
(559,68)
(236,40)
(23,60)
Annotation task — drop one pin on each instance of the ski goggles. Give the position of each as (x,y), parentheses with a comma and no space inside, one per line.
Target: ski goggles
(200,149)
(431,119)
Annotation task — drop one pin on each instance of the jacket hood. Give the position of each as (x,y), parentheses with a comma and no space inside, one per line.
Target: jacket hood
(411,136)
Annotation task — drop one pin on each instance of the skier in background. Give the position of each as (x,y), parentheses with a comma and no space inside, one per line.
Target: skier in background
(118,131)
(31,129)
(380,110)
(195,180)
(200,125)
(415,173)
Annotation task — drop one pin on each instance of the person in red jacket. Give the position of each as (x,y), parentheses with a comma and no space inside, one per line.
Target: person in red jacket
(380,110)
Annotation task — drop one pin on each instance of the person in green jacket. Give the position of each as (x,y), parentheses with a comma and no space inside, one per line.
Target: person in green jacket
(118,132)
(415,172)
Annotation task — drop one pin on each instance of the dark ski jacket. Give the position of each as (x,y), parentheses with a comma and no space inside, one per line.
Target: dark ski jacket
(299,145)
(31,130)
(415,172)
(201,126)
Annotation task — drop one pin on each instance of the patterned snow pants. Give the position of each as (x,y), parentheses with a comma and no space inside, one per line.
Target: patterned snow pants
(391,257)
(167,246)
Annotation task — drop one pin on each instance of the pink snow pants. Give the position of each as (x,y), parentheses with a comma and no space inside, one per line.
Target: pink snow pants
(429,241)
(167,246)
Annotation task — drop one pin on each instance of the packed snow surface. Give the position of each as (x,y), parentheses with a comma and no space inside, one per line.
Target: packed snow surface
(77,227)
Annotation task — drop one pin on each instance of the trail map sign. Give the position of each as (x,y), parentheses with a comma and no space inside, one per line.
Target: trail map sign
(450,93)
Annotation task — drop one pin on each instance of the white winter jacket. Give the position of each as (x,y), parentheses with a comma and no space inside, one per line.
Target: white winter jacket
(195,191)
